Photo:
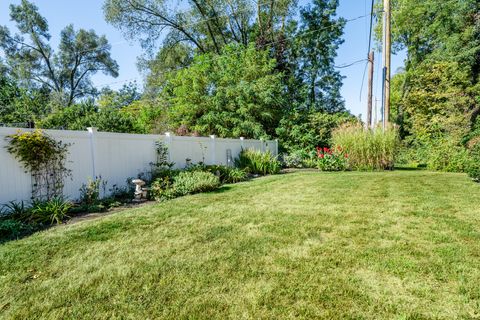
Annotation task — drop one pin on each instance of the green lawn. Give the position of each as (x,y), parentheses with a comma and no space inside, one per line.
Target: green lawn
(393,245)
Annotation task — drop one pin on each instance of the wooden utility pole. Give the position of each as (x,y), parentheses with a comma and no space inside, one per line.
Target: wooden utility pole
(387,46)
(371,57)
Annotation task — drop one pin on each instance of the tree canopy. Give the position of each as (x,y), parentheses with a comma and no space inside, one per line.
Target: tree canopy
(31,60)
(436,98)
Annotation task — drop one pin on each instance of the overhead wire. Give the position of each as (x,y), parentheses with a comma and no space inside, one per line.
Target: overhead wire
(372,13)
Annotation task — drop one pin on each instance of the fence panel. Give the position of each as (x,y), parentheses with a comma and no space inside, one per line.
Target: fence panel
(116,157)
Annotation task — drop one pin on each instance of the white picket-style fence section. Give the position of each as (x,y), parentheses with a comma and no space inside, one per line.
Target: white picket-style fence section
(116,157)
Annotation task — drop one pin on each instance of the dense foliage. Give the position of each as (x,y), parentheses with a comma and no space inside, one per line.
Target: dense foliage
(367,149)
(183,183)
(232,69)
(332,159)
(257,162)
(65,73)
(233,95)
(44,158)
(436,99)
(228,68)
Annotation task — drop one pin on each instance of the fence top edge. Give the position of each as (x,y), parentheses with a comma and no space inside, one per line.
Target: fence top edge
(104,134)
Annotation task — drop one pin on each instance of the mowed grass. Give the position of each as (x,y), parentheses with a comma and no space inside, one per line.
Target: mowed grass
(392,245)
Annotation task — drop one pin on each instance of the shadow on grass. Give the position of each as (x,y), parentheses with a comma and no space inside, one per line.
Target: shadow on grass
(222,189)
(26,231)
(407,168)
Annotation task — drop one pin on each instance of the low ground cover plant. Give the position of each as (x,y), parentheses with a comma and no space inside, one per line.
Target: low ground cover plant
(224,173)
(183,183)
(257,162)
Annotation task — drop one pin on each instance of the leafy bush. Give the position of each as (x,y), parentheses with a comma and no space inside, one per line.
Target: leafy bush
(162,189)
(367,149)
(13,229)
(51,211)
(440,154)
(195,182)
(332,160)
(16,210)
(224,173)
(90,192)
(257,162)
(294,159)
(165,172)
(304,130)
(474,171)
(446,156)
(235,175)
(186,182)
(473,168)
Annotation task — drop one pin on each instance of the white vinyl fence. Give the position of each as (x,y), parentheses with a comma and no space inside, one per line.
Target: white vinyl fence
(116,157)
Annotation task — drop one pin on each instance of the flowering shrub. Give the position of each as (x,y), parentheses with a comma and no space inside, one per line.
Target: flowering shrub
(332,159)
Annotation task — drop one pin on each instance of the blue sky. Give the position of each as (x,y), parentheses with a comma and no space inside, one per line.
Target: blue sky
(88,14)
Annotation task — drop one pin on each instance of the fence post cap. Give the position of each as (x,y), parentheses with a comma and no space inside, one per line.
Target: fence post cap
(242,138)
(212,136)
(92,129)
(168,133)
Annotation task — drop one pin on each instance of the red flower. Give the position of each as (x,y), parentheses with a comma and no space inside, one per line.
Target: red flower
(321,155)
(346,155)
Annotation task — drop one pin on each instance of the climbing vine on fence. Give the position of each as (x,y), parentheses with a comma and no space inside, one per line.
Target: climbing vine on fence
(44,158)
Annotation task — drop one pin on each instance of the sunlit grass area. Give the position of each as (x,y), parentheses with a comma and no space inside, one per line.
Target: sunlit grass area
(377,245)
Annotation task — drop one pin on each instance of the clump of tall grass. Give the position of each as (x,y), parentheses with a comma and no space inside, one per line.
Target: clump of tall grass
(373,149)
(257,162)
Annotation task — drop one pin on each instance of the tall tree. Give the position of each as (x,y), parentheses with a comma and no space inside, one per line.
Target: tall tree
(235,94)
(31,59)
(316,43)
(204,26)
(436,99)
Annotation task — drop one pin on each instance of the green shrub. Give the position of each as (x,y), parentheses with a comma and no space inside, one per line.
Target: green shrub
(16,210)
(13,229)
(162,189)
(51,211)
(331,159)
(164,172)
(235,175)
(474,171)
(90,192)
(257,162)
(195,182)
(224,173)
(473,168)
(447,156)
(367,149)
(185,182)
(295,159)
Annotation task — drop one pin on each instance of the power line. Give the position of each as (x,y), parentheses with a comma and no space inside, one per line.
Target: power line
(345,65)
